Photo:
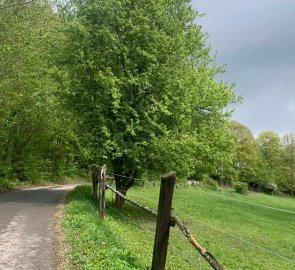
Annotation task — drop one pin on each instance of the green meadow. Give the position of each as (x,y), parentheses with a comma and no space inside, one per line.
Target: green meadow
(253,231)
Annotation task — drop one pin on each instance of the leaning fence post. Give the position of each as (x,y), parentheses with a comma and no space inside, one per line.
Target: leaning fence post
(94,180)
(163,221)
(102,186)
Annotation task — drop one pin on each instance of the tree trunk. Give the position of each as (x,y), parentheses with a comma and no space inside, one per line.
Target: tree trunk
(123,183)
(120,202)
(95,175)
(124,178)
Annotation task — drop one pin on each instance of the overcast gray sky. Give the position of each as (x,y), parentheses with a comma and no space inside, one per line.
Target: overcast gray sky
(256,41)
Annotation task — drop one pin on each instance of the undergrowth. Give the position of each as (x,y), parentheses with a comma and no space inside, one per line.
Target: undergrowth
(8,184)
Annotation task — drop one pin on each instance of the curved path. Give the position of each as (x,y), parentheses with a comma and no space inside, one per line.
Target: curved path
(27,228)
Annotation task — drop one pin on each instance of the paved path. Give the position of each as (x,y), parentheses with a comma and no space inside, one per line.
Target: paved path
(27,228)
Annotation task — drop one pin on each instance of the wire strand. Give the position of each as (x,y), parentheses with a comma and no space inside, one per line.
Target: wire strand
(216,195)
(128,219)
(236,237)
(250,203)
(240,238)
(127,177)
(225,232)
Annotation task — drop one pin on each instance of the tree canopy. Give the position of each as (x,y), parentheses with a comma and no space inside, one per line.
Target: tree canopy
(245,158)
(288,141)
(142,82)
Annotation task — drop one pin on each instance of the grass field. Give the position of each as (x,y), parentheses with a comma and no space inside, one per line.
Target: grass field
(255,231)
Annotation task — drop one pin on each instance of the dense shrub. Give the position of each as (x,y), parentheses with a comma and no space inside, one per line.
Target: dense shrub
(241,187)
(209,182)
(6,184)
(270,188)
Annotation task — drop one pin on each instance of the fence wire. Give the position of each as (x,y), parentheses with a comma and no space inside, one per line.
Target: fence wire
(127,177)
(129,219)
(217,195)
(250,203)
(230,234)
(175,251)
(239,238)
(292,261)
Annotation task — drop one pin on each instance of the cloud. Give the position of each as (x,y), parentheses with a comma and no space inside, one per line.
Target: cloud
(256,40)
(291,106)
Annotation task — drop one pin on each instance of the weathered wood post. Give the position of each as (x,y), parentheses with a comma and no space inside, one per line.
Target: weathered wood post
(102,186)
(163,221)
(94,180)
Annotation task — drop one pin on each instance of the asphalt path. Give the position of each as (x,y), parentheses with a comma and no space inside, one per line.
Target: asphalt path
(27,228)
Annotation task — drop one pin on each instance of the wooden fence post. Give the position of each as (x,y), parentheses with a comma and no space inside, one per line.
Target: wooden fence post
(102,186)
(94,181)
(163,221)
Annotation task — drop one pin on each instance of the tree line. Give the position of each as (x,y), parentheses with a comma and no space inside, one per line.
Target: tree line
(129,83)
(37,135)
(266,162)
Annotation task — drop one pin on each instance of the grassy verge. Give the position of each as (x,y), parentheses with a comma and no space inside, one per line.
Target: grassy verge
(93,245)
(224,226)
(6,184)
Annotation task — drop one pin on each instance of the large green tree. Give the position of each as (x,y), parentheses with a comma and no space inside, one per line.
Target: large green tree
(143,87)
(35,136)
(288,141)
(245,148)
(270,153)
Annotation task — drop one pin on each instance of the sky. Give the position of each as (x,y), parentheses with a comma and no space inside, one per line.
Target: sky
(255,39)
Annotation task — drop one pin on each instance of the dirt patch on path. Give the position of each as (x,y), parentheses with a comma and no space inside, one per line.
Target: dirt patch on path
(61,246)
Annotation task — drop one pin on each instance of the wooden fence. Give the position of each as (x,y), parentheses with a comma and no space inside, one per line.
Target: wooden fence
(165,218)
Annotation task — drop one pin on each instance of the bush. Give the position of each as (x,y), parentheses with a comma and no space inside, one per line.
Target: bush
(209,182)
(270,188)
(206,177)
(241,187)
(6,184)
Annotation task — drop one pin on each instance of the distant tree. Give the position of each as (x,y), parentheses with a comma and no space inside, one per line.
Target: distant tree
(270,154)
(143,87)
(288,141)
(245,158)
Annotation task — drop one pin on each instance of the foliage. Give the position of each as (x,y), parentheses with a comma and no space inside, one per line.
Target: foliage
(127,83)
(6,184)
(241,187)
(270,151)
(270,187)
(244,160)
(142,84)
(37,139)
(266,163)
(288,141)
(209,182)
